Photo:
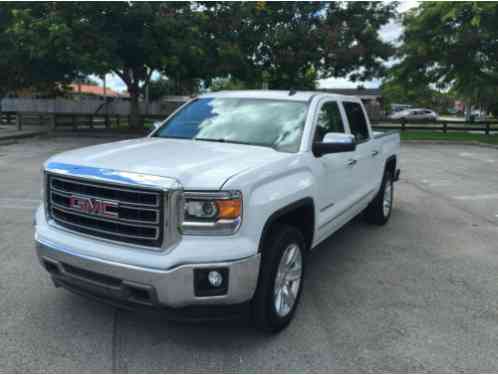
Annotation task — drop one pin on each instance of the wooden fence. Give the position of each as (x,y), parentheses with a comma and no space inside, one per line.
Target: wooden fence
(486,126)
(72,121)
(79,121)
(7,118)
(75,121)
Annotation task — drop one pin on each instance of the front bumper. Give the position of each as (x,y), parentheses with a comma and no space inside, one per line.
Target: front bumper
(133,285)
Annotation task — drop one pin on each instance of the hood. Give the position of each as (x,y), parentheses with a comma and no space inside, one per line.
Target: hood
(195,164)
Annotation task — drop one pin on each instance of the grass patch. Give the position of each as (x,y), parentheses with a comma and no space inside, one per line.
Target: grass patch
(450,136)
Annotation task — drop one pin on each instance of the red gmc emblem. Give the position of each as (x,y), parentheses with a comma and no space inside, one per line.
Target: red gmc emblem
(94,206)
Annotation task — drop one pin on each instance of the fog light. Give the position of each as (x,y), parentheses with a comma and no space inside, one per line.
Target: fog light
(211,281)
(215,278)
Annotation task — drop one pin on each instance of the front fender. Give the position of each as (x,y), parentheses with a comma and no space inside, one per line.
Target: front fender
(270,189)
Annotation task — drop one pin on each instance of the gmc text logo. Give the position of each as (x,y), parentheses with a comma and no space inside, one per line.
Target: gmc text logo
(94,206)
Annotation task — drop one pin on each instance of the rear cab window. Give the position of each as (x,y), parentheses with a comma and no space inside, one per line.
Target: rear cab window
(357,121)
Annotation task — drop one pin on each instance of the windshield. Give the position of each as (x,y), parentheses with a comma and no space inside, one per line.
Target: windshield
(273,123)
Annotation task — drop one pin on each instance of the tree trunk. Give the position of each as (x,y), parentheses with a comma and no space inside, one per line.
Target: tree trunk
(135,118)
(468,111)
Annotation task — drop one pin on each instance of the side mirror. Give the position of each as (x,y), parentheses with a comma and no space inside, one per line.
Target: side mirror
(334,143)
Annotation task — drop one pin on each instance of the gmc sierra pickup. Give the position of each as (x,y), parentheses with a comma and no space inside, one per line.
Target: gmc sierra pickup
(218,207)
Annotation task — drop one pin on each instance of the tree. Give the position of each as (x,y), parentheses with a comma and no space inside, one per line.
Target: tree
(164,86)
(129,39)
(453,45)
(418,94)
(292,44)
(27,60)
(285,45)
(229,83)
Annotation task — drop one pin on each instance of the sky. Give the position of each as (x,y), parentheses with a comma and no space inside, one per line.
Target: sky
(389,33)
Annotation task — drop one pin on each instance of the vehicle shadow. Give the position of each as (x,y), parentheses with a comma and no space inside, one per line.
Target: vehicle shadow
(140,339)
(333,251)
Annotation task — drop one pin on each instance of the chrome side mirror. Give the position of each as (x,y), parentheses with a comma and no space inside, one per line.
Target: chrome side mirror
(334,143)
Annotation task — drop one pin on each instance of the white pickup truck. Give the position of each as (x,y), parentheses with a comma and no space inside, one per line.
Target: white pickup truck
(216,210)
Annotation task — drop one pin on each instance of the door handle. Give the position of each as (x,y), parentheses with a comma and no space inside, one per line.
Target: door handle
(375,153)
(351,162)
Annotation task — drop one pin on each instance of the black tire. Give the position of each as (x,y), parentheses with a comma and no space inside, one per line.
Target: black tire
(264,312)
(375,212)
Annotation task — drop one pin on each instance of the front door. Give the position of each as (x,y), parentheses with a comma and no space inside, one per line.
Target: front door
(335,172)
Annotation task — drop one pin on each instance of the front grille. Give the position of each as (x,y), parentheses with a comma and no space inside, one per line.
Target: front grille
(131,215)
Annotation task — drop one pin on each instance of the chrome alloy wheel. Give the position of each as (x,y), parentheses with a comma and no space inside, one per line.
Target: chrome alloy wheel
(388,198)
(288,280)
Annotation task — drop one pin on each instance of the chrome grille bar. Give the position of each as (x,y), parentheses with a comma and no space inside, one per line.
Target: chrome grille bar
(56,216)
(111,191)
(136,215)
(155,213)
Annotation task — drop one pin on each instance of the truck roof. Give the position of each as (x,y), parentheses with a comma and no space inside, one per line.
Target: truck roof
(301,96)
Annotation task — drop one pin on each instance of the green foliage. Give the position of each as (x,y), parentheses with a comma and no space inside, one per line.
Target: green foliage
(450,136)
(292,44)
(164,87)
(220,84)
(131,40)
(453,45)
(283,44)
(28,58)
(420,94)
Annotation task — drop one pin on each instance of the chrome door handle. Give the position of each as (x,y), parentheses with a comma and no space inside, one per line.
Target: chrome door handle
(351,162)
(375,153)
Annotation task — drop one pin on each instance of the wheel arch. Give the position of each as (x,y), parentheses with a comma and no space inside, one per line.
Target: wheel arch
(300,214)
(391,165)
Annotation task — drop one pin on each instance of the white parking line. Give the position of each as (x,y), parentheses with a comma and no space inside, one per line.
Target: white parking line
(437,183)
(470,155)
(476,197)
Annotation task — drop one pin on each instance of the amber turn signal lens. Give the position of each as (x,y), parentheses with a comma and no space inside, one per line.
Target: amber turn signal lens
(229,209)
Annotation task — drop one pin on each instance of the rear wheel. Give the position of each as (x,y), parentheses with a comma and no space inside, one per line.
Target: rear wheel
(280,279)
(379,210)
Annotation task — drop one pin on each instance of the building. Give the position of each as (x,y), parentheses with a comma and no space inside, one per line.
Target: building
(94,91)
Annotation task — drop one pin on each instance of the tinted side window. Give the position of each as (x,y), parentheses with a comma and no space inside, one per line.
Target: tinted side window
(329,121)
(357,121)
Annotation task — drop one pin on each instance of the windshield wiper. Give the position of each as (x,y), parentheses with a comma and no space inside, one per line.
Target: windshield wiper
(170,136)
(221,140)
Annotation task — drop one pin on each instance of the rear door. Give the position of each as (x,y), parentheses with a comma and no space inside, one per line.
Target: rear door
(335,181)
(366,169)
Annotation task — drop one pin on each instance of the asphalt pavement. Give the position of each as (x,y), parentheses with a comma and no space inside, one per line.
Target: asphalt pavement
(419,294)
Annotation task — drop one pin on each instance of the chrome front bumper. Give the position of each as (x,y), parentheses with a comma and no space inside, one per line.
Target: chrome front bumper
(137,285)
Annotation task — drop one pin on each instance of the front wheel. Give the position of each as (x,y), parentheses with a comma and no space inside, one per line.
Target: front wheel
(379,210)
(280,280)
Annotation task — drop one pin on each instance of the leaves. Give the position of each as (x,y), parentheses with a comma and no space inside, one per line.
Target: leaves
(285,44)
(291,45)
(451,44)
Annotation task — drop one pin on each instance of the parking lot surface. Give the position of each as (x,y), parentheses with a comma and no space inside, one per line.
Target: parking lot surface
(419,294)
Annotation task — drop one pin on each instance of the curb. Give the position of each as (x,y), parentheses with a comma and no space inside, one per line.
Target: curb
(20,135)
(440,142)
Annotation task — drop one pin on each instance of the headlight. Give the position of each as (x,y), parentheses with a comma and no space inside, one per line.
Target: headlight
(216,213)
